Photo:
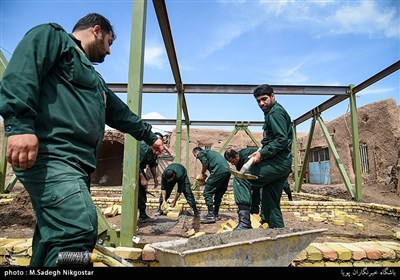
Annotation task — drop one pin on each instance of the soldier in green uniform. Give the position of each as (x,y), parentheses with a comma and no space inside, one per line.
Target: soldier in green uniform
(272,164)
(176,173)
(147,159)
(238,159)
(55,106)
(217,182)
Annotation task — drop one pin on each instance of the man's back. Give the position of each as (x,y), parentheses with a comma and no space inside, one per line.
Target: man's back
(214,161)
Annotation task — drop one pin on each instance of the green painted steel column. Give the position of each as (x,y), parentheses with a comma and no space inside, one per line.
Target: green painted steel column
(339,163)
(356,145)
(130,179)
(297,187)
(233,133)
(247,130)
(178,132)
(178,129)
(188,153)
(3,162)
(295,158)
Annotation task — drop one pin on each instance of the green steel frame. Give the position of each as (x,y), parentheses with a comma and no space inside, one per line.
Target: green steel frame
(135,88)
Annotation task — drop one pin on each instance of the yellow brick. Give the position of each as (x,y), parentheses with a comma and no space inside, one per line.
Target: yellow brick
(4,241)
(367,264)
(6,248)
(343,253)
(313,254)
(5,201)
(297,214)
(386,252)
(307,264)
(231,223)
(337,264)
(226,227)
(302,256)
(338,222)
(190,232)
(391,263)
(265,225)
(200,233)
(128,253)
(153,264)
(29,251)
(255,221)
(22,248)
(318,219)
(21,260)
(173,214)
(324,215)
(392,245)
(339,213)
(359,226)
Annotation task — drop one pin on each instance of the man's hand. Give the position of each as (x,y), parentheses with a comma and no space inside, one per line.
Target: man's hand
(144,183)
(164,205)
(256,157)
(158,147)
(22,150)
(202,177)
(173,203)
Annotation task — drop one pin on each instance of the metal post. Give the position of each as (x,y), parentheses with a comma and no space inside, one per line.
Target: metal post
(295,157)
(356,144)
(178,129)
(339,163)
(297,188)
(3,162)
(130,180)
(247,130)
(234,131)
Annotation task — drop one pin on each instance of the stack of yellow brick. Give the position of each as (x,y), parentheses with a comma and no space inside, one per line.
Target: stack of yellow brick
(17,252)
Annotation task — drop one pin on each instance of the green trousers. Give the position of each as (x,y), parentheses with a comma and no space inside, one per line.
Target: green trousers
(142,199)
(66,218)
(272,177)
(255,201)
(216,186)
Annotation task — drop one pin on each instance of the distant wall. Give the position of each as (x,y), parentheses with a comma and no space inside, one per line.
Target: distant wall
(379,130)
(212,138)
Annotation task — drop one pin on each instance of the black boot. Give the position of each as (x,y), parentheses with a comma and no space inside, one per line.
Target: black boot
(159,212)
(210,217)
(289,196)
(196,211)
(144,218)
(244,217)
(216,210)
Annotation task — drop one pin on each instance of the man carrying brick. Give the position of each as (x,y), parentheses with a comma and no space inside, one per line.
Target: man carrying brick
(176,173)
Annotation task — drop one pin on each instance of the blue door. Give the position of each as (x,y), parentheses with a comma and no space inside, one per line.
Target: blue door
(319,167)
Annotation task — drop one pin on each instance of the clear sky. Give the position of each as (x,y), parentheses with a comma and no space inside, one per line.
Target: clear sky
(240,42)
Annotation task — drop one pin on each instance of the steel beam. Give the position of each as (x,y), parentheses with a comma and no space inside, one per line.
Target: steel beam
(235,89)
(339,98)
(163,21)
(204,123)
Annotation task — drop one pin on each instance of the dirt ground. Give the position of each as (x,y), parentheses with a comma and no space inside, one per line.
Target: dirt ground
(17,219)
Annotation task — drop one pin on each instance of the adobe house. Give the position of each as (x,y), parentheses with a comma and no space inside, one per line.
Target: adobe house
(379,144)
